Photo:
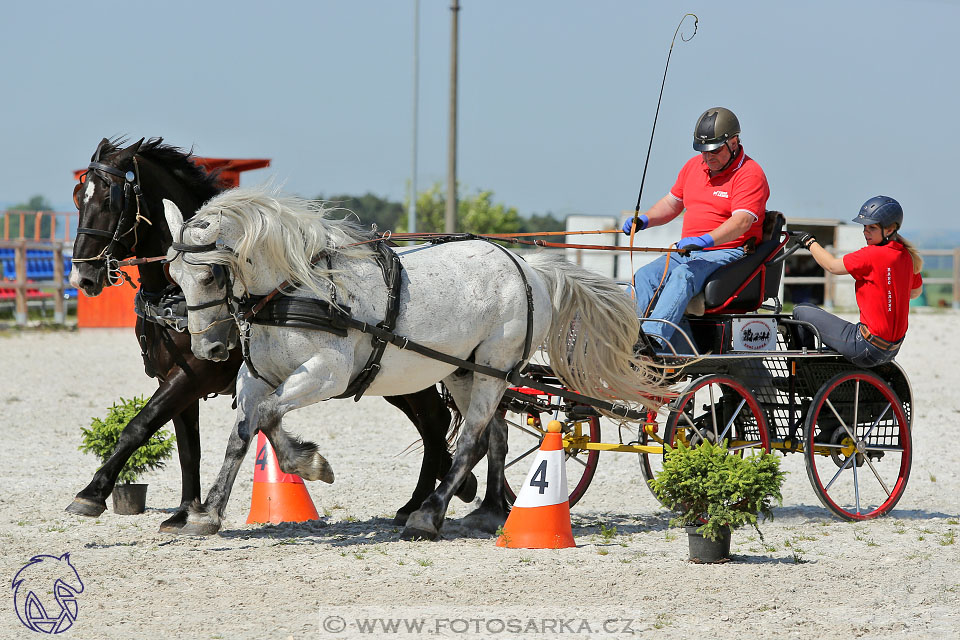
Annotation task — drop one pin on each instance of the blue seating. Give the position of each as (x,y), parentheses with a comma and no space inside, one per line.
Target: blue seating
(39,265)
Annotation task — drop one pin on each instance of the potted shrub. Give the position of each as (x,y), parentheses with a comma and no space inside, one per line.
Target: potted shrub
(101,439)
(715,492)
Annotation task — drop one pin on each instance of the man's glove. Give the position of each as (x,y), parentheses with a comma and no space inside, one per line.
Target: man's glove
(642,222)
(695,243)
(805,239)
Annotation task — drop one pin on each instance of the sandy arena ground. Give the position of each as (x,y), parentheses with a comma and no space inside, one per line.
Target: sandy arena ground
(814,576)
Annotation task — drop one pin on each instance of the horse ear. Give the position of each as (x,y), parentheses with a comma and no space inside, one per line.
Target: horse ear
(173,216)
(96,154)
(130,151)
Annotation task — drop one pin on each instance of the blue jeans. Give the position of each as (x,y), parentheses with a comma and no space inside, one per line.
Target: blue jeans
(686,277)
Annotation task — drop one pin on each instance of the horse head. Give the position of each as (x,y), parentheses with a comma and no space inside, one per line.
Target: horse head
(107,207)
(117,198)
(197,264)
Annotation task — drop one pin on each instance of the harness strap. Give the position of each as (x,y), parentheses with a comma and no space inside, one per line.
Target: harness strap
(528,339)
(391,268)
(166,309)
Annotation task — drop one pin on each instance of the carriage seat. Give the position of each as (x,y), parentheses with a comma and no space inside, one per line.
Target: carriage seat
(742,286)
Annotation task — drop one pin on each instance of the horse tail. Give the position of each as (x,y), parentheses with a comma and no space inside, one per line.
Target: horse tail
(592,335)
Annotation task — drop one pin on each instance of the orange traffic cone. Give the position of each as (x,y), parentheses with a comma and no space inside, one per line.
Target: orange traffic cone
(540,518)
(277,496)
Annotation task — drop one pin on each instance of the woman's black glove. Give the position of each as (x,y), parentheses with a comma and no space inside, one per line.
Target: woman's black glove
(806,239)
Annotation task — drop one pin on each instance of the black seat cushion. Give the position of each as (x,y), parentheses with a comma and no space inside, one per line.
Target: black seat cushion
(727,279)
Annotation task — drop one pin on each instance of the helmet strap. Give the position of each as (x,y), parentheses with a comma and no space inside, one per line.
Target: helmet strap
(733,155)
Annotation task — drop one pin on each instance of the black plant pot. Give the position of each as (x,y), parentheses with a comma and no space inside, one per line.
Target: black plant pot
(129,499)
(704,550)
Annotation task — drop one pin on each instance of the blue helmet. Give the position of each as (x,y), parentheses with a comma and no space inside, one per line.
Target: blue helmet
(881,210)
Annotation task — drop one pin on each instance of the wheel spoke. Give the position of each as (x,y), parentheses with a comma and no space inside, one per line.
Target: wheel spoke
(522,456)
(875,423)
(576,458)
(530,432)
(746,445)
(726,429)
(842,423)
(876,475)
(713,412)
(856,481)
(856,410)
(827,486)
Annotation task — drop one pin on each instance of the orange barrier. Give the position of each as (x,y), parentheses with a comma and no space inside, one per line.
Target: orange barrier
(112,308)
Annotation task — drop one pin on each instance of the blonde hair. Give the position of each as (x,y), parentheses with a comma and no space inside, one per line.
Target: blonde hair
(912,250)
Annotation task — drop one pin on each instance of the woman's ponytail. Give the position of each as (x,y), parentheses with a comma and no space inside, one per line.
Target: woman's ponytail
(912,250)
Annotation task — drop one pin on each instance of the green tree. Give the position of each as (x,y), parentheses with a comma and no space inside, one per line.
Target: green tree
(371,209)
(543,224)
(36,203)
(476,213)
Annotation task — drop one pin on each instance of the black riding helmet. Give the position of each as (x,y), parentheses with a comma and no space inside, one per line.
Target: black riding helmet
(714,128)
(881,210)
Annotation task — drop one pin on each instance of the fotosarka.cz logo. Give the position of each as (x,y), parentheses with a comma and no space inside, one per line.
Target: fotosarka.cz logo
(45,593)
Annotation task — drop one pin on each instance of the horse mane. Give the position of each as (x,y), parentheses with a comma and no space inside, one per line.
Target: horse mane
(175,160)
(285,232)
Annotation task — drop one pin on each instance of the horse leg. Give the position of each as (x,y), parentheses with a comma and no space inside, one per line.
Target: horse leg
(484,394)
(205,519)
(493,510)
(430,415)
(316,379)
(187,425)
(170,399)
(433,411)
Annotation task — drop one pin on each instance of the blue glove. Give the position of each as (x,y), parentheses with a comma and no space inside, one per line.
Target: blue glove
(695,243)
(642,223)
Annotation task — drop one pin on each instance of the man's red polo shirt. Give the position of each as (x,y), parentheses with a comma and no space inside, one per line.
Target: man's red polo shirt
(710,201)
(885,278)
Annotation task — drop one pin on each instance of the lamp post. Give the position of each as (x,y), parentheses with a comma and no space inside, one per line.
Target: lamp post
(450,219)
(412,210)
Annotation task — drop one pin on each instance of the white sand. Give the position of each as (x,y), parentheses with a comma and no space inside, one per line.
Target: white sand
(898,576)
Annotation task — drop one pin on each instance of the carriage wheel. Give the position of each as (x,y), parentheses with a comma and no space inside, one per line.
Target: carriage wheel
(857,446)
(650,463)
(719,409)
(524,434)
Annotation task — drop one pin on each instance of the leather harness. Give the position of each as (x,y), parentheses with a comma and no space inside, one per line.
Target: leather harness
(279,310)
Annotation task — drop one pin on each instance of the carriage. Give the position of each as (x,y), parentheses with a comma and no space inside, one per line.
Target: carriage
(749,382)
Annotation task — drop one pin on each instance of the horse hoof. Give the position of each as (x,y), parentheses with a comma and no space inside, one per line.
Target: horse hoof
(415,533)
(318,469)
(84,507)
(175,523)
(198,529)
(419,527)
(401,517)
(484,521)
(468,490)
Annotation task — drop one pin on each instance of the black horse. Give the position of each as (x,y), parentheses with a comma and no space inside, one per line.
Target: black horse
(121,216)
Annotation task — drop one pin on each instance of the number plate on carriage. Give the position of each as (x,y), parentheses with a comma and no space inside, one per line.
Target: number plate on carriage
(754,334)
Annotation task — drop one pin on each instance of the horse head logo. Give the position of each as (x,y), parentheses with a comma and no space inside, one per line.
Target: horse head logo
(45,593)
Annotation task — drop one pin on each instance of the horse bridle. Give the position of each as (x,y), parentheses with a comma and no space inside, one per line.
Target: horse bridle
(119,196)
(221,278)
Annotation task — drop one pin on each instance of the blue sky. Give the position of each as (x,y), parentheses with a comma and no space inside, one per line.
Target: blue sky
(838,101)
